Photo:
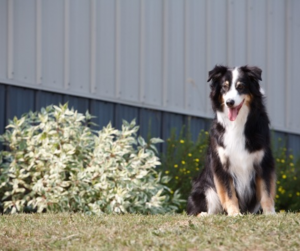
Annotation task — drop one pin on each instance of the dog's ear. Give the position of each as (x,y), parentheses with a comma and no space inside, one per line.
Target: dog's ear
(253,72)
(216,72)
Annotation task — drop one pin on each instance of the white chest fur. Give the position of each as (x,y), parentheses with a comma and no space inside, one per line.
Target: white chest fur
(240,162)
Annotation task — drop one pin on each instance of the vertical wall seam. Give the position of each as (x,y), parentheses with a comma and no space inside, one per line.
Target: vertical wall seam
(267,49)
(230,52)
(248,32)
(208,49)
(93,30)
(67,45)
(10,39)
(142,52)
(186,53)
(165,53)
(287,64)
(117,49)
(38,42)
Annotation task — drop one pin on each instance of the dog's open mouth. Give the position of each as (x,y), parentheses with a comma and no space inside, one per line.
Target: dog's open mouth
(233,112)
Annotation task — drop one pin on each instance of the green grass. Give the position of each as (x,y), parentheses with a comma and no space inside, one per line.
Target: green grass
(138,232)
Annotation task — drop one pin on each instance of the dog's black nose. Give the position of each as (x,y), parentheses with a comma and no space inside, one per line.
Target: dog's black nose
(230,102)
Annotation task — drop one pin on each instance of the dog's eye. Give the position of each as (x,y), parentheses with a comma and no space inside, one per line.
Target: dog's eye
(240,86)
(225,85)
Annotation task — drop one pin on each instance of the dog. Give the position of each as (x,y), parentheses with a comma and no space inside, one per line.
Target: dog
(239,173)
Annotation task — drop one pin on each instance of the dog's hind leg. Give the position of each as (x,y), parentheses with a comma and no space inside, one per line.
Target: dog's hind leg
(266,194)
(266,183)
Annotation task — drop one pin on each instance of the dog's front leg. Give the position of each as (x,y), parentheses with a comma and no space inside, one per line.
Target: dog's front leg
(227,195)
(266,193)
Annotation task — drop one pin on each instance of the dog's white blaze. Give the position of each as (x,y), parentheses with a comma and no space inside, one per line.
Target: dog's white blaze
(233,93)
(213,202)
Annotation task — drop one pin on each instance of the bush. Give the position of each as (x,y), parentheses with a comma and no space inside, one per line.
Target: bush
(183,161)
(288,177)
(57,163)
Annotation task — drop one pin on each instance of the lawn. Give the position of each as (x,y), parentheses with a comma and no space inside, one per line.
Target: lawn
(138,232)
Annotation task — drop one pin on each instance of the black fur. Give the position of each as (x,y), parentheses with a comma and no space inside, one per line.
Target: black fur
(257,137)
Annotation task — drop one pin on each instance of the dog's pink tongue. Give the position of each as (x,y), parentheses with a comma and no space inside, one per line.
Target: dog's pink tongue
(232,113)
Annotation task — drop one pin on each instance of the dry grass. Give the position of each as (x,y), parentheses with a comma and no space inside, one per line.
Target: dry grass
(137,232)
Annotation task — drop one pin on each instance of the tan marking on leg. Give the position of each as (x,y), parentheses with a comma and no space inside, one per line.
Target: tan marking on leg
(266,198)
(231,205)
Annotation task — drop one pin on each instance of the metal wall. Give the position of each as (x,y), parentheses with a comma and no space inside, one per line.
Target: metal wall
(15,101)
(152,53)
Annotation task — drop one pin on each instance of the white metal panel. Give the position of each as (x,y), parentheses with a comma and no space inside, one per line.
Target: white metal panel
(53,37)
(257,39)
(105,48)
(175,59)
(24,65)
(217,39)
(196,53)
(237,36)
(129,43)
(293,67)
(152,53)
(80,46)
(278,93)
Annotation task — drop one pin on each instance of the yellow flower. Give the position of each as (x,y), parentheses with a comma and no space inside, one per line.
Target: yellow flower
(197,160)
(190,155)
(298,193)
(277,196)
(290,195)
(292,164)
(183,162)
(181,141)
(278,182)
(295,178)
(197,169)
(279,189)
(175,166)
(188,171)
(278,160)
(166,172)
(291,156)
(171,191)
(282,161)
(206,133)
(284,176)
(176,177)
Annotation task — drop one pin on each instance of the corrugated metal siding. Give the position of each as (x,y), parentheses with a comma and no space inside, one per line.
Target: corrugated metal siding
(15,101)
(152,53)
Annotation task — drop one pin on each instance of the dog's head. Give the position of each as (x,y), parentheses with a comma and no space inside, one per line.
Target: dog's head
(232,88)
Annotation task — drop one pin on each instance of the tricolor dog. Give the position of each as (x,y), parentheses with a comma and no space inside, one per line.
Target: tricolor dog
(239,173)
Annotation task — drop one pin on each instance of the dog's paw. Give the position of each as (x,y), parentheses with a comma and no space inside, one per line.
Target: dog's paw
(233,211)
(236,214)
(269,212)
(202,214)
